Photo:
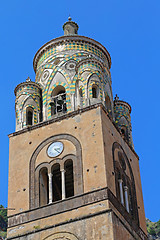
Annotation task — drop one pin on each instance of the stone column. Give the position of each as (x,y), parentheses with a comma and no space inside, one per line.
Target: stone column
(63,184)
(126,198)
(50,187)
(121,190)
(38,116)
(73,101)
(78,98)
(44,112)
(33,113)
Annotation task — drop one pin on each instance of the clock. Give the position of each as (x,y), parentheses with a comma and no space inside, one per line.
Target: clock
(55,149)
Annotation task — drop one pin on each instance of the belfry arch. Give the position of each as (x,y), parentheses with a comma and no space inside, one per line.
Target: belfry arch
(120,169)
(33,180)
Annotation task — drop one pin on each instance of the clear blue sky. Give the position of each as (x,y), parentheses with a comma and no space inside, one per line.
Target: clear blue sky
(129,29)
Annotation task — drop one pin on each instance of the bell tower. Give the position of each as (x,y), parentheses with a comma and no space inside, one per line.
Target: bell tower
(73,170)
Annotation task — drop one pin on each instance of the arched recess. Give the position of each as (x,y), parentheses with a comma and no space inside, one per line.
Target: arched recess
(33,110)
(118,166)
(79,93)
(61,236)
(94,82)
(29,116)
(33,195)
(69,178)
(124,128)
(108,104)
(43,186)
(50,94)
(58,100)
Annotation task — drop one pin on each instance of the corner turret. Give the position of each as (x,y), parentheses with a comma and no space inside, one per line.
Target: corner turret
(27,104)
(122,112)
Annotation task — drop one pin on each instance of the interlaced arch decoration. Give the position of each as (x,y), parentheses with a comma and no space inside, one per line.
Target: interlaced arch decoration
(33,198)
(119,169)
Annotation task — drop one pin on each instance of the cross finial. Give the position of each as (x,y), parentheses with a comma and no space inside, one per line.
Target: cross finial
(116,98)
(28,79)
(69,18)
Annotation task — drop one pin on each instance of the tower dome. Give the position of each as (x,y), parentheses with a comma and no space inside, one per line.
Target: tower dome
(74,72)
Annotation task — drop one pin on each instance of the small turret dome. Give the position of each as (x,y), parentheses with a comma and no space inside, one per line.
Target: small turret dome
(70,27)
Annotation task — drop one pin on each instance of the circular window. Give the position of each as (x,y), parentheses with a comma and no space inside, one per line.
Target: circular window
(45,75)
(56,62)
(70,65)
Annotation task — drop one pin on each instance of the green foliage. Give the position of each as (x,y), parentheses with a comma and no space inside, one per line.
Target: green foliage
(3,213)
(3,234)
(153,228)
(151,231)
(3,221)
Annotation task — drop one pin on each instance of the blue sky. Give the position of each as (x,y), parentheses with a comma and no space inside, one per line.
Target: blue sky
(128,29)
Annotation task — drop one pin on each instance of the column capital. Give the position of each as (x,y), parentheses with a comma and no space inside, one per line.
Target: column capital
(50,174)
(63,170)
(120,180)
(125,188)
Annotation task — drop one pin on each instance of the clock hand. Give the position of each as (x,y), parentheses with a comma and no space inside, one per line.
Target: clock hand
(56,149)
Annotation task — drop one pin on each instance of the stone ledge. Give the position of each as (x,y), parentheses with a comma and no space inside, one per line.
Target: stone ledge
(69,115)
(140,233)
(58,207)
(74,203)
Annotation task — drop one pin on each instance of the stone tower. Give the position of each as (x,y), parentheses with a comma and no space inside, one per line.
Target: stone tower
(73,171)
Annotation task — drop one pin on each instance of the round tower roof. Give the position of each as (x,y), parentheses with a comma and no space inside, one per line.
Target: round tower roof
(23,84)
(69,38)
(122,103)
(70,34)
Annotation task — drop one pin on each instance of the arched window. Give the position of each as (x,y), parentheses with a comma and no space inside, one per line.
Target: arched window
(95,91)
(56,183)
(69,180)
(58,101)
(81,97)
(124,132)
(43,187)
(29,116)
(108,104)
(80,93)
(130,199)
(124,180)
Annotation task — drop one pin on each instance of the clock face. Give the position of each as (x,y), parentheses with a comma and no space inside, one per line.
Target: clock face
(55,149)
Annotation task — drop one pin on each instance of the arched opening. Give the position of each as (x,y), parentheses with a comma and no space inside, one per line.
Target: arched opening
(80,93)
(130,199)
(29,116)
(58,101)
(118,186)
(108,104)
(81,97)
(124,132)
(69,178)
(124,180)
(95,91)
(56,183)
(43,187)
